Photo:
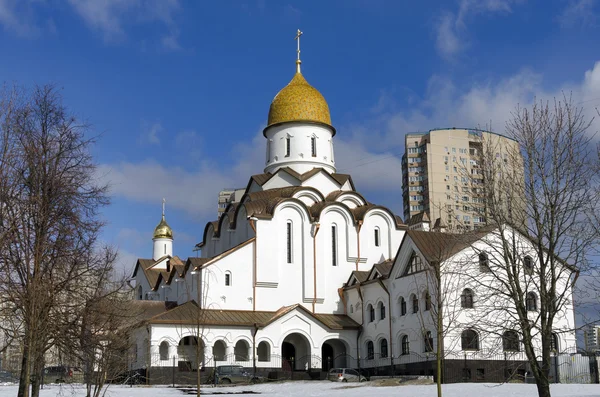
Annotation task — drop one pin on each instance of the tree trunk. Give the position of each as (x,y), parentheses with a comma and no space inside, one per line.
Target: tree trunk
(25,367)
(543,387)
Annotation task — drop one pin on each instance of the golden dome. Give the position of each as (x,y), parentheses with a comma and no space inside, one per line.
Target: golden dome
(163,230)
(299,101)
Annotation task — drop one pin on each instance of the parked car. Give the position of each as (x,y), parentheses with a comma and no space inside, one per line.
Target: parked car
(6,376)
(345,375)
(62,374)
(228,374)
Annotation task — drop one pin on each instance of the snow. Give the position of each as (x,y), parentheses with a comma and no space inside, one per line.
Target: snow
(328,389)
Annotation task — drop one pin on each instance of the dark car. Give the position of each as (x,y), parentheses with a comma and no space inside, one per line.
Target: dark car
(58,374)
(228,374)
(6,376)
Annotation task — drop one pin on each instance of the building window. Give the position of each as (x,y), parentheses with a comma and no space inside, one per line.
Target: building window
(264,351)
(415,303)
(554,342)
(466,299)
(333,245)
(376,237)
(427,300)
(370,351)
(427,341)
(531,302)
(402,306)
(469,340)
(140,293)
(268,150)
(510,341)
(383,348)
(484,263)
(415,265)
(381,311)
(289,242)
(313,146)
(163,350)
(405,345)
(288,144)
(371,311)
(528,265)
(227,279)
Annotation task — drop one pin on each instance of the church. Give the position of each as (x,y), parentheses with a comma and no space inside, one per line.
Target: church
(304,274)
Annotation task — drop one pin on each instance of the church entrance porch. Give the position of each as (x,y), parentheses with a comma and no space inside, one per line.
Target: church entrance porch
(334,354)
(296,353)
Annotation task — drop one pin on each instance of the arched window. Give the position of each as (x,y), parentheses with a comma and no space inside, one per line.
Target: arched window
(140,293)
(288,145)
(163,350)
(466,299)
(405,345)
(376,231)
(268,150)
(264,351)
(510,341)
(383,348)
(554,342)
(370,351)
(531,302)
(313,146)
(415,265)
(351,309)
(371,311)
(241,351)
(289,242)
(333,245)
(484,265)
(381,308)
(415,303)
(402,306)
(469,340)
(427,341)
(427,300)
(528,265)
(228,278)
(219,350)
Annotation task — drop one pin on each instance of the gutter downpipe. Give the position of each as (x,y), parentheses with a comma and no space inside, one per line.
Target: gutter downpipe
(390,323)
(316,230)
(362,321)
(359,226)
(252,221)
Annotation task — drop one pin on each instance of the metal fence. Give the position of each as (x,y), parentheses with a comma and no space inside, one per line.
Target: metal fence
(470,366)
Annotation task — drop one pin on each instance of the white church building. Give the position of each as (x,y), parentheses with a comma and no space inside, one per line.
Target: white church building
(305,274)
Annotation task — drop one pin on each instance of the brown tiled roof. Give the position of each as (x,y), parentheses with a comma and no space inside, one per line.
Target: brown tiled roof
(337,193)
(151,274)
(190,313)
(418,218)
(439,223)
(342,178)
(360,275)
(437,247)
(384,268)
(261,179)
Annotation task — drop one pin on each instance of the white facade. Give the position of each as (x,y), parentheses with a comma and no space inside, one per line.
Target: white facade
(300,146)
(304,271)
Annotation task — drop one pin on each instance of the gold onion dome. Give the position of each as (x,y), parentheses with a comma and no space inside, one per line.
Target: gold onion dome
(299,101)
(163,230)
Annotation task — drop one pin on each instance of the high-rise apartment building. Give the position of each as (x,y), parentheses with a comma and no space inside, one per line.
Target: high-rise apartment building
(443,178)
(226,196)
(592,338)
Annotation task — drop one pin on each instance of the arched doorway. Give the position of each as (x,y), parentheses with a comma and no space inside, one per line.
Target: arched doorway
(190,353)
(334,354)
(296,353)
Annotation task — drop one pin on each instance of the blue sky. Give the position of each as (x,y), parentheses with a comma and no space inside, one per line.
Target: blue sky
(180,90)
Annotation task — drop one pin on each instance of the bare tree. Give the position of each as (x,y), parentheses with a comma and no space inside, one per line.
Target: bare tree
(541,232)
(50,202)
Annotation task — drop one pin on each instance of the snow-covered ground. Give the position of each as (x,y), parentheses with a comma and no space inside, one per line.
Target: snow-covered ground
(329,389)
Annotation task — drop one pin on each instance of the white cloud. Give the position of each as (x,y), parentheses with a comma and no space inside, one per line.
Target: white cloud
(579,13)
(451,28)
(150,133)
(109,17)
(194,192)
(17,16)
